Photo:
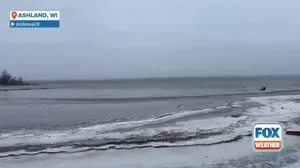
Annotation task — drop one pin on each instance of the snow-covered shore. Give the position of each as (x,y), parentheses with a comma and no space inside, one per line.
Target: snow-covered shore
(231,155)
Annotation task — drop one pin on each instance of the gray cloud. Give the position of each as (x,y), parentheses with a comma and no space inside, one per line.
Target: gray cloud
(134,38)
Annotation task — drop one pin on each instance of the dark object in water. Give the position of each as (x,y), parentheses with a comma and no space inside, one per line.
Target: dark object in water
(263,89)
(235,115)
(180,106)
(282,107)
(293,133)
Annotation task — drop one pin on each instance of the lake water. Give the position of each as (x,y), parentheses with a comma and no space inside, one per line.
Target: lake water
(83,116)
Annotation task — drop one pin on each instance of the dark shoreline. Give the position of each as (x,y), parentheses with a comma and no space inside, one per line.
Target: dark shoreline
(18,89)
(6,90)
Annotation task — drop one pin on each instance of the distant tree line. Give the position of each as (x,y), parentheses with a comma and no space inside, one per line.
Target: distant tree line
(7,79)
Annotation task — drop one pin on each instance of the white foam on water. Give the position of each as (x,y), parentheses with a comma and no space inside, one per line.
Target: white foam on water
(189,127)
(222,107)
(237,104)
(130,124)
(99,131)
(213,123)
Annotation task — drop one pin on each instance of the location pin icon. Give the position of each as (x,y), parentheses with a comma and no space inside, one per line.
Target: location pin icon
(13,15)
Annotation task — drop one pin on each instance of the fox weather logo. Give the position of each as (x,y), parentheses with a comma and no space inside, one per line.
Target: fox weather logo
(267,137)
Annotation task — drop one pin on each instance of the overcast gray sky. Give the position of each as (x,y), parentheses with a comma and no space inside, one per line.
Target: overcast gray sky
(154,38)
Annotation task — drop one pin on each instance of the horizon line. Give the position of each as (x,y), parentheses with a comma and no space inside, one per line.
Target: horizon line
(171,77)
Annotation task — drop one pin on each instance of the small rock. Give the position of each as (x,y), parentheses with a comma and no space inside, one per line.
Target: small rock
(282,108)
